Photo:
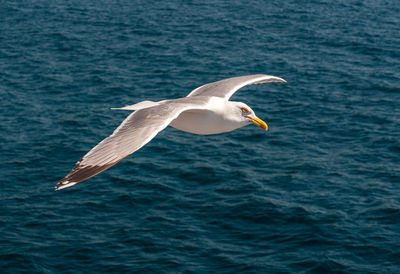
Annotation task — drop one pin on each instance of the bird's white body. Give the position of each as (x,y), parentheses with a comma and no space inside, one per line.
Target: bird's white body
(213,120)
(206,110)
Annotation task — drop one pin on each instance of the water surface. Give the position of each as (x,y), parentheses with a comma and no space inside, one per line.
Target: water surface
(319,192)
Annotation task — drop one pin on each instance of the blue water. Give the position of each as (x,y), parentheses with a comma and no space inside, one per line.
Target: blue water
(319,192)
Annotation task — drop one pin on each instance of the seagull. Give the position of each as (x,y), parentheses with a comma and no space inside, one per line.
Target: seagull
(206,110)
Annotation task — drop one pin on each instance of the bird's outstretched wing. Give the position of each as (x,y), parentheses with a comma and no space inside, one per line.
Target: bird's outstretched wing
(227,87)
(133,133)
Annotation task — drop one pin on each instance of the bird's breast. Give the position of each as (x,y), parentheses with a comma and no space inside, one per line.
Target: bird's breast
(203,122)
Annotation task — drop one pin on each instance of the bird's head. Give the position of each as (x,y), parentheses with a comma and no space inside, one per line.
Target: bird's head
(246,115)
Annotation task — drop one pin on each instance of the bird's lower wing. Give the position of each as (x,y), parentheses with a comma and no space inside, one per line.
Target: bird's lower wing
(227,87)
(133,133)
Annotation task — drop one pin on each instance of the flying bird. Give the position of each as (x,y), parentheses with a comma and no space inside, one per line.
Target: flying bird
(206,110)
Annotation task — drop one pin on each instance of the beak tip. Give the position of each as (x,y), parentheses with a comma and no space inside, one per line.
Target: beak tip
(259,123)
(264,127)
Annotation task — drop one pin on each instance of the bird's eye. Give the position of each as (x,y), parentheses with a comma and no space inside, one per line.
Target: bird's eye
(244,110)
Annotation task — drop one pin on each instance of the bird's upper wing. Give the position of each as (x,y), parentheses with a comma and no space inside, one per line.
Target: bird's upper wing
(227,87)
(133,133)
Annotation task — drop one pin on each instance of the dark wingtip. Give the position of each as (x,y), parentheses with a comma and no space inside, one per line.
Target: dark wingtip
(64,184)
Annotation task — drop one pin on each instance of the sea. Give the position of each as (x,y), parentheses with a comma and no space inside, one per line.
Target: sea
(319,192)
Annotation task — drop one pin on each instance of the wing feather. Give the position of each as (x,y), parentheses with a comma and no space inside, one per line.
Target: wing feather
(134,132)
(227,87)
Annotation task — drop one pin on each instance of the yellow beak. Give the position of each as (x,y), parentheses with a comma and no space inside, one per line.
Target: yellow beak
(258,122)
